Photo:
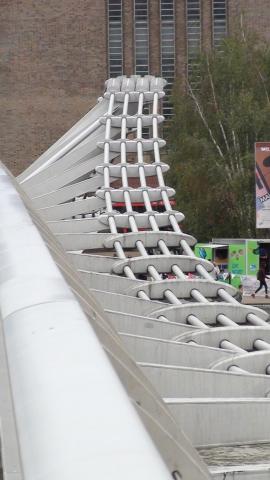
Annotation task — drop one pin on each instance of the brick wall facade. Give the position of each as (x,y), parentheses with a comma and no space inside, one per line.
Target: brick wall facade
(53,59)
(255,16)
(54,62)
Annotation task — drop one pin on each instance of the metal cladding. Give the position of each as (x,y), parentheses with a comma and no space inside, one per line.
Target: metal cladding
(102,261)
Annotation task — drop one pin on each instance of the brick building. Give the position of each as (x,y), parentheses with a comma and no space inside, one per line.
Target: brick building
(55,56)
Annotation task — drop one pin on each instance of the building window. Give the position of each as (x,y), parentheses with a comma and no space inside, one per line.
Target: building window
(115,50)
(219,21)
(193,27)
(167,47)
(141,30)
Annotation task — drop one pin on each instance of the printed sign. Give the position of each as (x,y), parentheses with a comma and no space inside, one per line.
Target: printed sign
(237,259)
(202,251)
(262,179)
(253,257)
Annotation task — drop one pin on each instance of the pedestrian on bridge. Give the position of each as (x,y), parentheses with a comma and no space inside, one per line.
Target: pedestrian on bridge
(261,276)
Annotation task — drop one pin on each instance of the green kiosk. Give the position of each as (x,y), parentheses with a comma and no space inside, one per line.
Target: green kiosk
(238,257)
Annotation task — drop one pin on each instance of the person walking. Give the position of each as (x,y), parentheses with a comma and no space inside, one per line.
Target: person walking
(239,296)
(216,271)
(261,276)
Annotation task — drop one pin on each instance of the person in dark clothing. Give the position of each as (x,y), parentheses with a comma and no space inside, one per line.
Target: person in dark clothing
(228,278)
(261,276)
(239,295)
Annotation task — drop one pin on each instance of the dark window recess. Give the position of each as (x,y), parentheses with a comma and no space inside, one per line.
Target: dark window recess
(167,47)
(219,22)
(115,48)
(193,29)
(141,33)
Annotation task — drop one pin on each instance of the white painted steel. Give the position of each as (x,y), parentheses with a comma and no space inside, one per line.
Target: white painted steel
(175,382)
(127,93)
(246,425)
(256,362)
(132,231)
(60,376)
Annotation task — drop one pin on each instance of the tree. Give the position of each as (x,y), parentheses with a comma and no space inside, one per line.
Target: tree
(211,138)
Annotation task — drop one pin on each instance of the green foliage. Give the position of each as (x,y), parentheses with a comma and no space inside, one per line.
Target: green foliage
(212,136)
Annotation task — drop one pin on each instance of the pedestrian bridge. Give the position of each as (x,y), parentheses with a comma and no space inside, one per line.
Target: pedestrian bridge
(115,364)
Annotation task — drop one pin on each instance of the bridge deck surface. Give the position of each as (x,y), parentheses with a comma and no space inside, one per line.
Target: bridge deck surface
(259,301)
(236,455)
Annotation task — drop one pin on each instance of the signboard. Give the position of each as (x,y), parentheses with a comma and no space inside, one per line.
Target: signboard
(237,259)
(262,178)
(202,251)
(253,257)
